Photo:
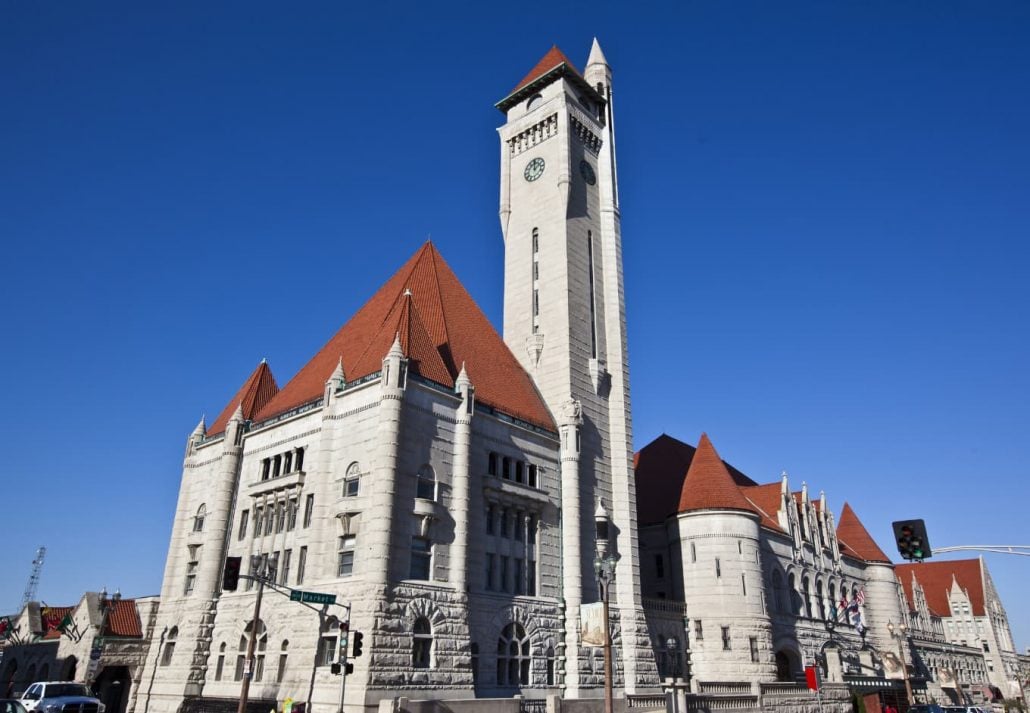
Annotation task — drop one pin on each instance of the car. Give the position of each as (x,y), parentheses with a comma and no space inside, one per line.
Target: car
(11,705)
(60,696)
(926,708)
(964,709)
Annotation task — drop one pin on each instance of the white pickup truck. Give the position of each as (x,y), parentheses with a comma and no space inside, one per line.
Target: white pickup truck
(60,697)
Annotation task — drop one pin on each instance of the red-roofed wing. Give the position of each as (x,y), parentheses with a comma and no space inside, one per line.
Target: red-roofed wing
(936,581)
(257,390)
(124,619)
(766,499)
(852,533)
(441,327)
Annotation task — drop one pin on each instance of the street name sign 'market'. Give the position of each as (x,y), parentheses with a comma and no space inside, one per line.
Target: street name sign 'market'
(312,597)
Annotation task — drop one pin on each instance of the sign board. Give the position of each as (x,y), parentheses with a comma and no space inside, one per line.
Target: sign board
(591,617)
(91,669)
(94,654)
(312,597)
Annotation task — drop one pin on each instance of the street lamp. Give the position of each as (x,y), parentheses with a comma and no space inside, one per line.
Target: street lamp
(604,568)
(899,633)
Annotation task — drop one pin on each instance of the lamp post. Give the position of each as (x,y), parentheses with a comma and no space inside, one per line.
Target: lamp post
(261,568)
(604,568)
(899,634)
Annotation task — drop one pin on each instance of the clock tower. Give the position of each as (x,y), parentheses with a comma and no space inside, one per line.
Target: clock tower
(564,318)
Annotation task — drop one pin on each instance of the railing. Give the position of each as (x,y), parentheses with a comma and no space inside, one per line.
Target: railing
(533,705)
(723,688)
(665,605)
(721,703)
(651,701)
(782,688)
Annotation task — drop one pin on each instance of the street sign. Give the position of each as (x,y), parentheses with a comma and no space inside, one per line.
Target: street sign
(312,597)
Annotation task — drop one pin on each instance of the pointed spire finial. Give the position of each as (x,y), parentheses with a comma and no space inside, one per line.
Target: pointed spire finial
(264,360)
(237,415)
(408,292)
(463,380)
(201,428)
(395,349)
(338,375)
(596,55)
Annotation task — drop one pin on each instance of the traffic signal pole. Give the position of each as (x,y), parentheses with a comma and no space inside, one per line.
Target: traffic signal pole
(249,670)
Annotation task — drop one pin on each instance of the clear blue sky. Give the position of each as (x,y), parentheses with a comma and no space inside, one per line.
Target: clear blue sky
(826,211)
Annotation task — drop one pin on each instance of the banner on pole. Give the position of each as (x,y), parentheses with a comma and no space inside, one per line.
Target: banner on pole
(592,624)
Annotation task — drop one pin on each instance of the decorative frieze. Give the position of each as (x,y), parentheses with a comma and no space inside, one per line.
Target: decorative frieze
(591,141)
(534,135)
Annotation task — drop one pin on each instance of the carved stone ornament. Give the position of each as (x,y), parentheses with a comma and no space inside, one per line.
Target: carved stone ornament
(535,347)
(424,524)
(572,412)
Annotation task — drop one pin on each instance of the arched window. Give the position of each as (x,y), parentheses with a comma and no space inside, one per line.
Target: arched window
(777,587)
(422,644)
(352,480)
(833,600)
(550,665)
(506,468)
(220,667)
(280,672)
(492,463)
(169,649)
(513,657)
(198,519)
(795,598)
(426,486)
(259,649)
(819,599)
(806,596)
(241,659)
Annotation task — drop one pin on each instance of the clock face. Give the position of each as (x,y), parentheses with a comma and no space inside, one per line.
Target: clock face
(534,169)
(587,172)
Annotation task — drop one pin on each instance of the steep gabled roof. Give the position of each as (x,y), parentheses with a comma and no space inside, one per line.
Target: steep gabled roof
(852,533)
(124,619)
(551,65)
(709,485)
(257,390)
(660,467)
(936,579)
(440,327)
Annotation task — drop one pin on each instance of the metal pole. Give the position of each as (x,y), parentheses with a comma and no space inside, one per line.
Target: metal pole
(248,672)
(904,668)
(343,659)
(604,581)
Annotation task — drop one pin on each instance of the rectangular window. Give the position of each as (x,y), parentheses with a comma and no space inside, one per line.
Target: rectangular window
(350,487)
(693,553)
(699,632)
(240,661)
(718,567)
(345,562)
(309,506)
(532,481)
(269,519)
(421,558)
(531,579)
(280,516)
(725,638)
(291,514)
(265,464)
(659,567)
(743,584)
(518,575)
(273,567)
(491,464)
(299,465)
(491,564)
(302,561)
(259,512)
(326,650)
(285,577)
(753,643)
(244,521)
(505,532)
(505,576)
(191,577)
(288,462)
(490,520)
(520,526)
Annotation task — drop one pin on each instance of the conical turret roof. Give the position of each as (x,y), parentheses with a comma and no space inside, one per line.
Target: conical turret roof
(852,533)
(708,485)
(439,326)
(257,390)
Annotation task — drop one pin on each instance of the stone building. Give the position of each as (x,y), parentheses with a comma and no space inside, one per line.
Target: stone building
(439,478)
(100,640)
(960,629)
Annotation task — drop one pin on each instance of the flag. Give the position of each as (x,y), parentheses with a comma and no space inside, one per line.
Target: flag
(860,597)
(66,624)
(5,627)
(51,619)
(856,618)
(841,612)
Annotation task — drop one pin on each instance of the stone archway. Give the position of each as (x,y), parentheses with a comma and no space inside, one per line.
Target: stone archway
(70,665)
(788,665)
(112,688)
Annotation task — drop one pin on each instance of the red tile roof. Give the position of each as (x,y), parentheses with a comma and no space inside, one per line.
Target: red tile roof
(936,580)
(440,327)
(124,620)
(766,499)
(852,533)
(709,485)
(257,390)
(660,467)
(53,615)
(553,59)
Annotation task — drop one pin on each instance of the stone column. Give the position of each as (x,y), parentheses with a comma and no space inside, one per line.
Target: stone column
(570,421)
(377,530)
(460,480)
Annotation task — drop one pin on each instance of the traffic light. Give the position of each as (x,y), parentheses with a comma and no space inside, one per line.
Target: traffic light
(348,668)
(344,636)
(356,637)
(913,544)
(231,574)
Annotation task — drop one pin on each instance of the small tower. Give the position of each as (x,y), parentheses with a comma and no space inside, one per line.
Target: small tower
(718,532)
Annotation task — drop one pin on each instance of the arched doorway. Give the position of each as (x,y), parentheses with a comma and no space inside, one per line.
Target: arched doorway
(112,688)
(10,669)
(788,668)
(70,664)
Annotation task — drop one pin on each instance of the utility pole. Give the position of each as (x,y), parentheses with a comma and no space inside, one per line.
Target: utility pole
(248,670)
